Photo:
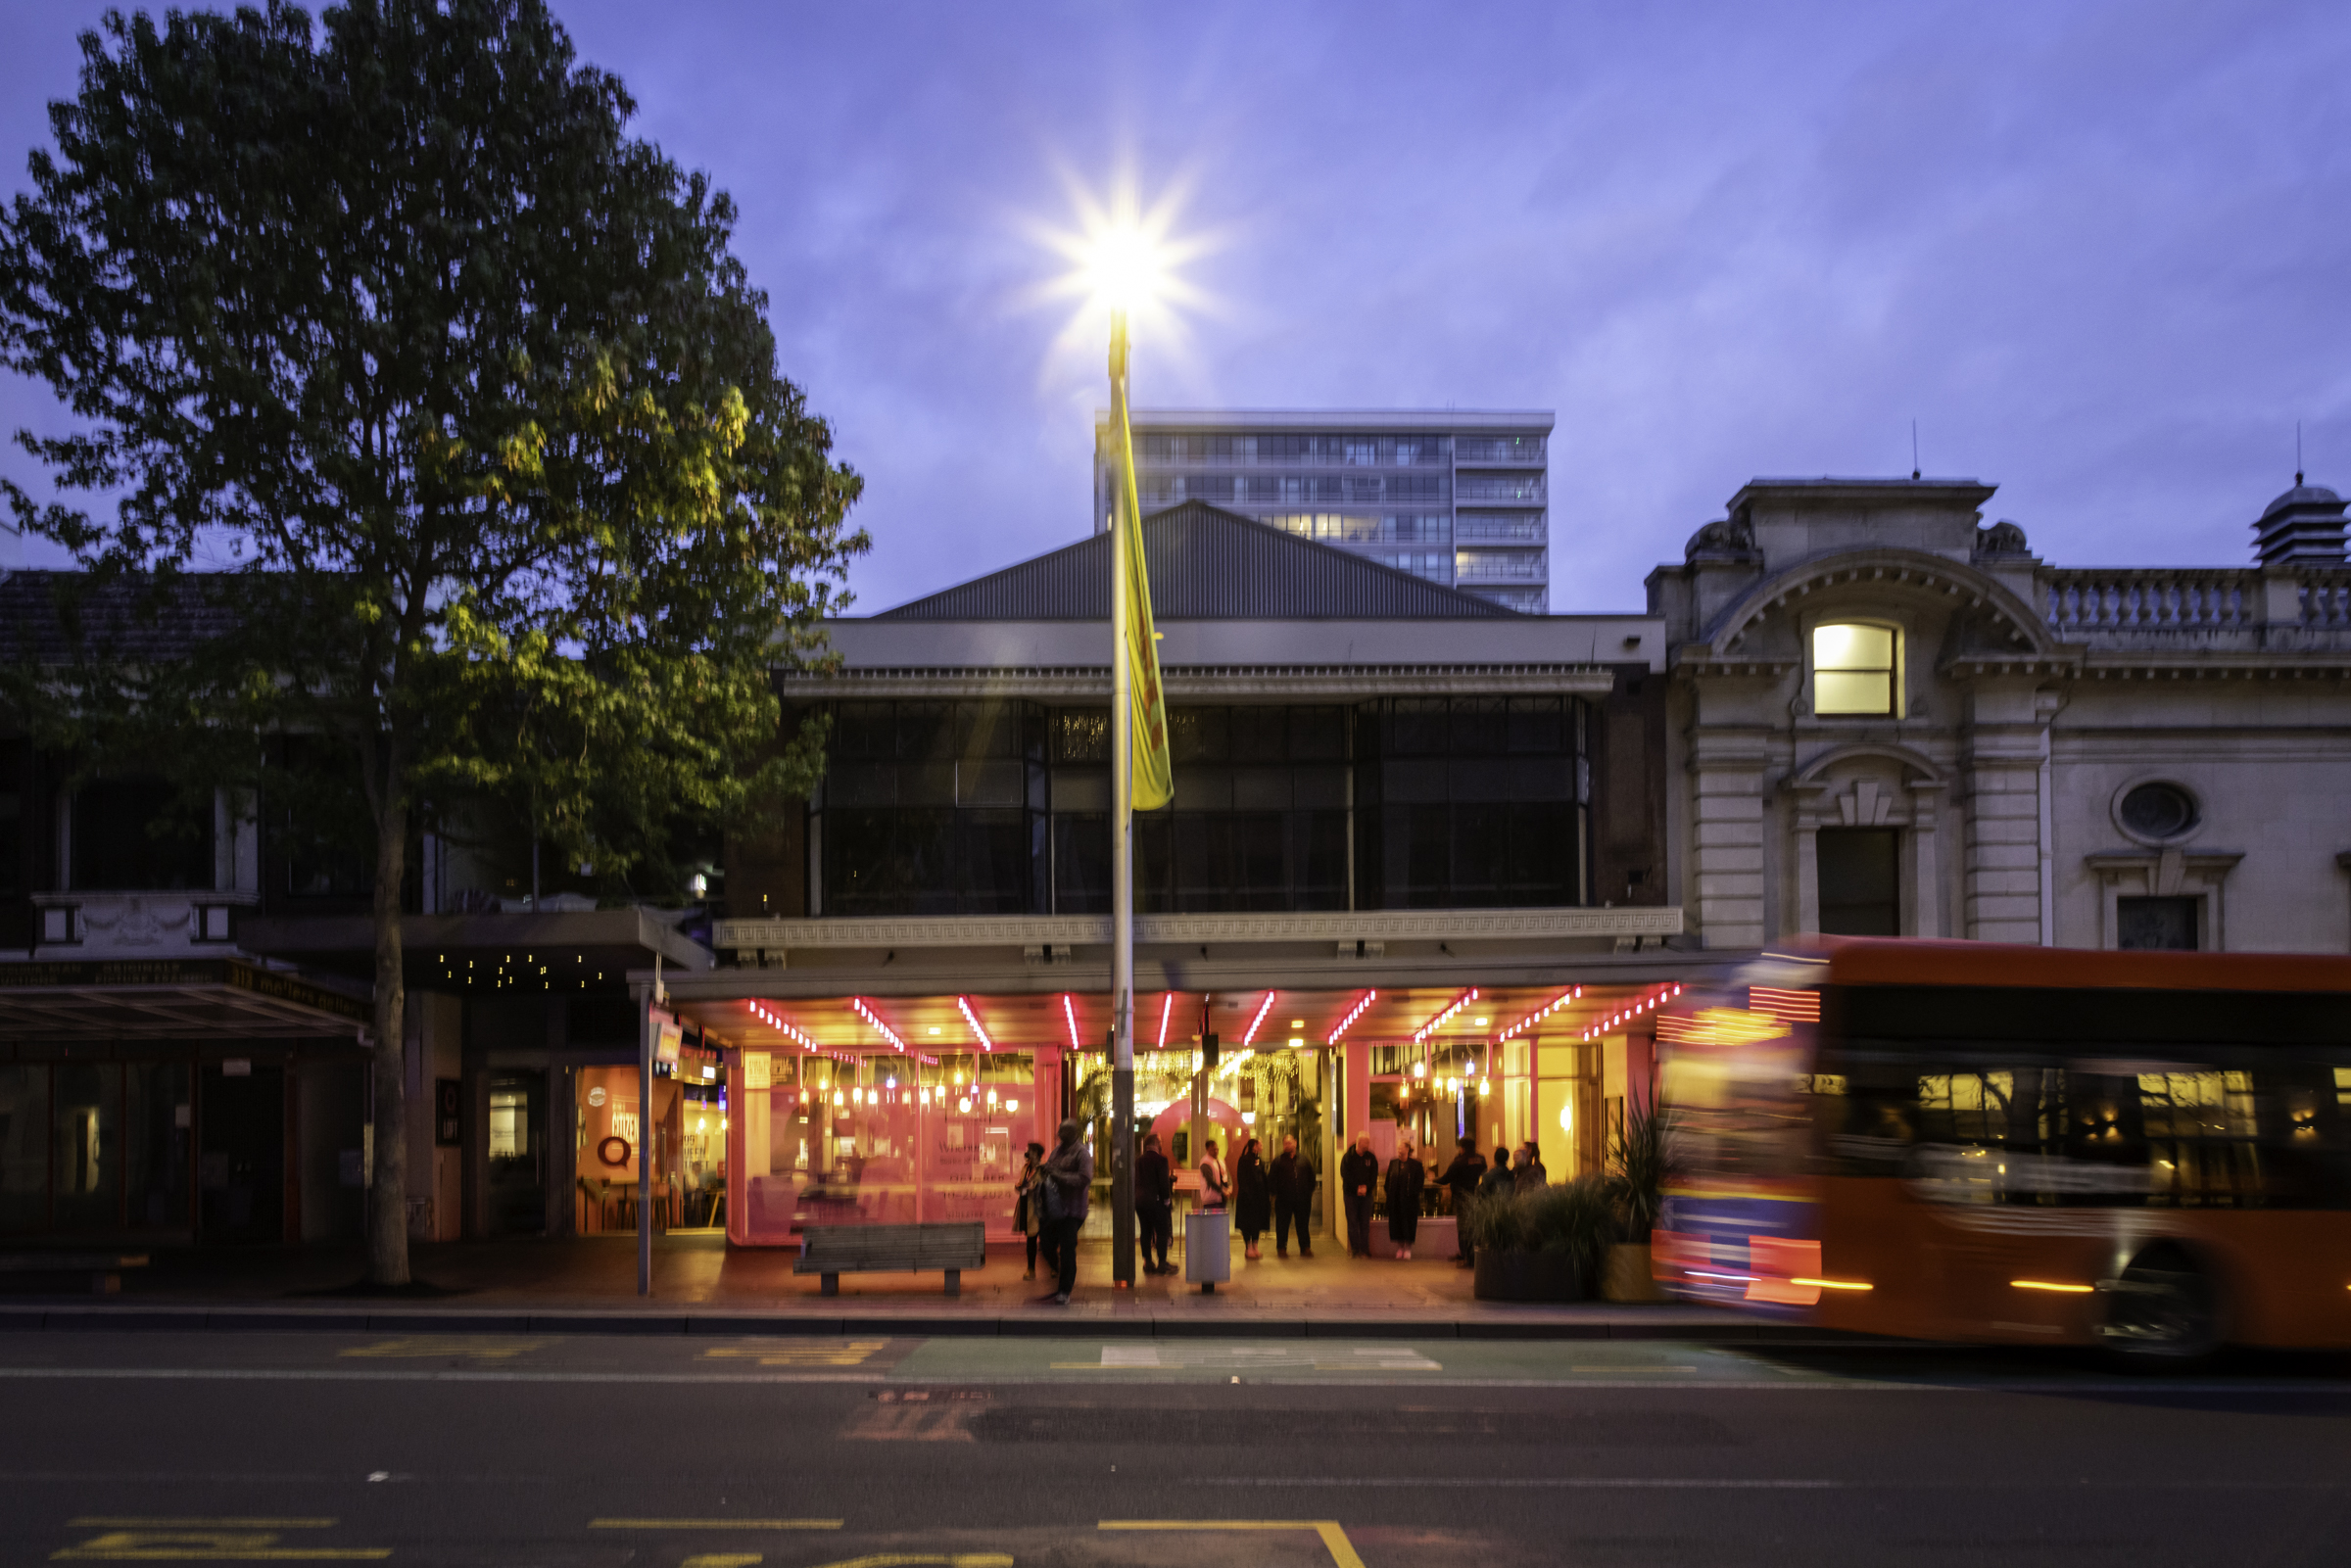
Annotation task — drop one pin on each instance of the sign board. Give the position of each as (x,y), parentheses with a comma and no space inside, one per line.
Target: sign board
(668,1042)
(758,1069)
(447,1117)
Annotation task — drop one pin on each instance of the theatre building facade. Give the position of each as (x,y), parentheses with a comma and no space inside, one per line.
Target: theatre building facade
(1890,717)
(1415,857)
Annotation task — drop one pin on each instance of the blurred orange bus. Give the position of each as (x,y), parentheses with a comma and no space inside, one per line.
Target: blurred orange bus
(2027,1145)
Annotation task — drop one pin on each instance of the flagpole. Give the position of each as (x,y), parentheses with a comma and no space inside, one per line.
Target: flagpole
(1122,846)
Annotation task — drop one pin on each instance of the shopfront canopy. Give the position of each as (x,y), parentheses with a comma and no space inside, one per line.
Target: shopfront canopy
(169,999)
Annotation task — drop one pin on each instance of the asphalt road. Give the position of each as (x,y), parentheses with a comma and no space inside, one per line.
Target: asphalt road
(683,1452)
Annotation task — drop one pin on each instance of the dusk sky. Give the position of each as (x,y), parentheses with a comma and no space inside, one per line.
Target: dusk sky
(2100,252)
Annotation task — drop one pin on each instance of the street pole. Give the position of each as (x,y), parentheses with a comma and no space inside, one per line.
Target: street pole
(1122,850)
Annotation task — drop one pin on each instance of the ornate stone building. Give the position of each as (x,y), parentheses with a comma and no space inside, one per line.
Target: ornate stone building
(1888,718)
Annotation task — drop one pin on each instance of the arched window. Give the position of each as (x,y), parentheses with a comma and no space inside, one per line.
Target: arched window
(1856,669)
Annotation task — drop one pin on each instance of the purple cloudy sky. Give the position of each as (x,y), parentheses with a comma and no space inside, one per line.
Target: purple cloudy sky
(2100,251)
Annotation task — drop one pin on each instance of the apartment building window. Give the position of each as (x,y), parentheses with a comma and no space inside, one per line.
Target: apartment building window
(1466,802)
(133,834)
(1857,670)
(933,808)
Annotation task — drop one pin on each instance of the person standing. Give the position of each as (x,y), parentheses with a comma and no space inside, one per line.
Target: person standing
(1497,1183)
(1358,1168)
(1215,1187)
(1068,1187)
(1406,1177)
(1461,1178)
(1028,1209)
(1253,1199)
(1528,1173)
(1154,1205)
(1293,1185)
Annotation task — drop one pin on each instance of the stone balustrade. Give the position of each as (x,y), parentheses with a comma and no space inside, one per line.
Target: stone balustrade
(2210,607)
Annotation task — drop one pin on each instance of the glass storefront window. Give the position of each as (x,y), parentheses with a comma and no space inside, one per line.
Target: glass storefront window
(85,1141)
(24,1147)
(158,1125)
(877,1140)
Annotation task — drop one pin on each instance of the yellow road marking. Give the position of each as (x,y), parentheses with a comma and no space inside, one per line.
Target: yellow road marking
(207,1545)
(101,1522)
(1334,1539)
(424,1346)
(902,1559)
(714,1524)
(850,1354)
(722,1559)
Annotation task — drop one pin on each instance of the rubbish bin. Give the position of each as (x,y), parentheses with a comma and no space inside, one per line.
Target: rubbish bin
(1207,1247)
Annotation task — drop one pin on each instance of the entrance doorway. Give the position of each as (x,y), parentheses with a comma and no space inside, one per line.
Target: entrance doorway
(241,1167)
(517,1151)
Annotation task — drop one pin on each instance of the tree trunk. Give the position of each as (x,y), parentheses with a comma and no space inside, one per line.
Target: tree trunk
(388,1204)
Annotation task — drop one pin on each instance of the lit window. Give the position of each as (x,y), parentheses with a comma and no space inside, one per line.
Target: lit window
(1853,669)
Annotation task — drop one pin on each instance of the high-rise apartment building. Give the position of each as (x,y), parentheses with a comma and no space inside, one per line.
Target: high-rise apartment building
(1455,497)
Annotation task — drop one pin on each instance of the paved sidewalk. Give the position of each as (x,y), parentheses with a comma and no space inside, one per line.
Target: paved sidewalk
(701,1286)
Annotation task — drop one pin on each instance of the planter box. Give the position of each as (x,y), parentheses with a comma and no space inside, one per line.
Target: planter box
(1527,1277)
(1627,1275)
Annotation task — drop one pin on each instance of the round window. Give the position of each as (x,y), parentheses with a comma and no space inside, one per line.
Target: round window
(2159,811)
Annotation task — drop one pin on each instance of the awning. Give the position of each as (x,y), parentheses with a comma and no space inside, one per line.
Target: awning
(562,950)
(168,999)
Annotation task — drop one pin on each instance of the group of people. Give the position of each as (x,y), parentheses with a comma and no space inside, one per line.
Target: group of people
(1259,1194)
(1054,1192)
(1050,1206)
(1468,1178)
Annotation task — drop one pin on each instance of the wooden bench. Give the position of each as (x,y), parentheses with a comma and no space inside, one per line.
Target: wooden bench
(105,1269)
(831,1251)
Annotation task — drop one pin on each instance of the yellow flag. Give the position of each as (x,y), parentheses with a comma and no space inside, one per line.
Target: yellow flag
(1154,777)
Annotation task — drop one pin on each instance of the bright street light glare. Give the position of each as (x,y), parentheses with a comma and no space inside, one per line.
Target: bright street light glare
(1122,259)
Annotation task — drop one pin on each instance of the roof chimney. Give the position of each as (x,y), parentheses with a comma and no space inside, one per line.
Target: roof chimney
(2304,527)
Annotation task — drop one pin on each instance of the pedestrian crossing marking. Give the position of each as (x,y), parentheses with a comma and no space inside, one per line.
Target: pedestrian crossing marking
(853,1354)
(472,1346)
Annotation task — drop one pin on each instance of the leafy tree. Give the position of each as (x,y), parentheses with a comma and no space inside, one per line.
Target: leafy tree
(458,394)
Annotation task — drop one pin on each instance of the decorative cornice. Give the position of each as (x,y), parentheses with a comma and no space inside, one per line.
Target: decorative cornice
(1207,680)
(1073,930)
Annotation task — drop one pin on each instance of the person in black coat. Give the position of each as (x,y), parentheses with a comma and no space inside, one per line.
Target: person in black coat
(1462,1177)
(1293,1184)
(1155,1205)
(1406,1177)
(1252,1197)
(1358,1170)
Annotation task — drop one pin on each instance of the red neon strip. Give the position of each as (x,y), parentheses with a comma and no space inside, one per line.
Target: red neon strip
(1167,1007)
(1069,1011)
(1262,1008)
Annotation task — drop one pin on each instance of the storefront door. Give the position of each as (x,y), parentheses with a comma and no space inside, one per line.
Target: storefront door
(241,1168)
(519,1151)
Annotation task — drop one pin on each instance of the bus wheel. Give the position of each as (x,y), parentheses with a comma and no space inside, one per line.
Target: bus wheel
(2163,1308)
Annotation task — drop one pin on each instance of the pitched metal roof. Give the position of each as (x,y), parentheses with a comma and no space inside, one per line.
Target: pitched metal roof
(1207,564)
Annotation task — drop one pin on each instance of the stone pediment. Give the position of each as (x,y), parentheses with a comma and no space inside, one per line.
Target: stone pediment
(1989,619)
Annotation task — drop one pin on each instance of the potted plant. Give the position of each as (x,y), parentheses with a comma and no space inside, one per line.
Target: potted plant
(1544,1245)
(1639,1166)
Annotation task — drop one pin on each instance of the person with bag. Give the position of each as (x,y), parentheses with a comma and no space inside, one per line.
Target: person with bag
(1294,1178)
(1154,1206)
(1404,1179)
(1067,1186)
(1252,1198)
(1027,1208)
